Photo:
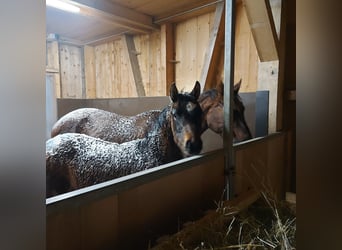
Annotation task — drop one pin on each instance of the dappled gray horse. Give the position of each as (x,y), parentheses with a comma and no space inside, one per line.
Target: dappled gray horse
(77,160)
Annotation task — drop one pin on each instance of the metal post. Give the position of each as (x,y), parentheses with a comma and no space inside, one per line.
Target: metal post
(228,97)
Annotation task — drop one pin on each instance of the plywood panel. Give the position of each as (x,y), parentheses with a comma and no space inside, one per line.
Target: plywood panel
(63,230)
(114,76)
(246,56)
(142,43)
(261,166)
(156,206)
(52,65)
(156,77)
(99,224)
(89,72)
(192,38)
(71,71)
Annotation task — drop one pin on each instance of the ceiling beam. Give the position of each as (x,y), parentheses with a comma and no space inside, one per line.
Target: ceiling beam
(259,15)
(110,12)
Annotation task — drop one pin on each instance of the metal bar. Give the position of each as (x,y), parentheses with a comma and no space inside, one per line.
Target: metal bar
(228,101)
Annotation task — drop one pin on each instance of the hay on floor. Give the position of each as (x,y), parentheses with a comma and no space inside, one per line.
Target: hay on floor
(253,221)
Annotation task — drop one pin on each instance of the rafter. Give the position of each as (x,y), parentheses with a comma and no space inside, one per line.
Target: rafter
(118,15)
(260,19)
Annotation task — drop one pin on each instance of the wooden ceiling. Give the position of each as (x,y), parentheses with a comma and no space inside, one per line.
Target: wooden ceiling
(101,20)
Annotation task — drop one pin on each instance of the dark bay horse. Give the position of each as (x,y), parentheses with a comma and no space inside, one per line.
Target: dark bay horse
(211,102)
(77,160)
(119,128)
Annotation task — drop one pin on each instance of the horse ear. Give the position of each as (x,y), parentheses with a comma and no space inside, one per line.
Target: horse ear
(237,87)
(173,92)
(197,90)
(220,88)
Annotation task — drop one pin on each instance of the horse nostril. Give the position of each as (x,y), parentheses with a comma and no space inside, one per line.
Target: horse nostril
(193,147)
(188,144)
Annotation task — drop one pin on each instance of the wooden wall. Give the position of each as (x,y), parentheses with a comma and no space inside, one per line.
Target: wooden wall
(105,71)
(137,66)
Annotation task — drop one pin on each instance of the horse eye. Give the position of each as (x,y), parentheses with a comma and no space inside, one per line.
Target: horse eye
(190,106)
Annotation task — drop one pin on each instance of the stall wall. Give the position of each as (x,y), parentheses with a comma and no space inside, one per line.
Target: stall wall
(105,70)
(141,213)
(109,217)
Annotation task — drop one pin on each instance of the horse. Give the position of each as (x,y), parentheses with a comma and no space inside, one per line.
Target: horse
(118,128)
(211,102)
(76,160)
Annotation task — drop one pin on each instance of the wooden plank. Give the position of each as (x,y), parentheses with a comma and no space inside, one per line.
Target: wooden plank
(188,11)
(119,15)
(99,224)
(89,71)
(71,71)
(156,79)
(246,56)
(168,55)
(191,41)
(263,29)
(53,66)
(132,54)
(290,95)
(210,65)
(260,165)
(268,80)
(271,76)
(281,81)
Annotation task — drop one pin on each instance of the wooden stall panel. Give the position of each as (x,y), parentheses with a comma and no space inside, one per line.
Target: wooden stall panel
(71,61)
(90,226)
(260,165)
(157,206)
(99,225)
(132,217)
(63,230)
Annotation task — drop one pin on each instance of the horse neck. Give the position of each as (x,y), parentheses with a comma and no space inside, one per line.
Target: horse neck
(161,133)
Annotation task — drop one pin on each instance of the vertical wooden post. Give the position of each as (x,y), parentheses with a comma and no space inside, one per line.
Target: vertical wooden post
(168,52)
(227,99)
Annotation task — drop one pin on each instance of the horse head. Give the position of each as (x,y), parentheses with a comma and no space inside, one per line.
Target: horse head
(186,119)
(212,105)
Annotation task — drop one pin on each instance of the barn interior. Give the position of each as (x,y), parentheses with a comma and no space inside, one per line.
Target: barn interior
(123,56)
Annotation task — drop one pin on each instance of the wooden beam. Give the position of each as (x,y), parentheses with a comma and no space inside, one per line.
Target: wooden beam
(168,53)
(132,54)
(108,11)
(212,55)
(195,9)
(282,55)
(260,19)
